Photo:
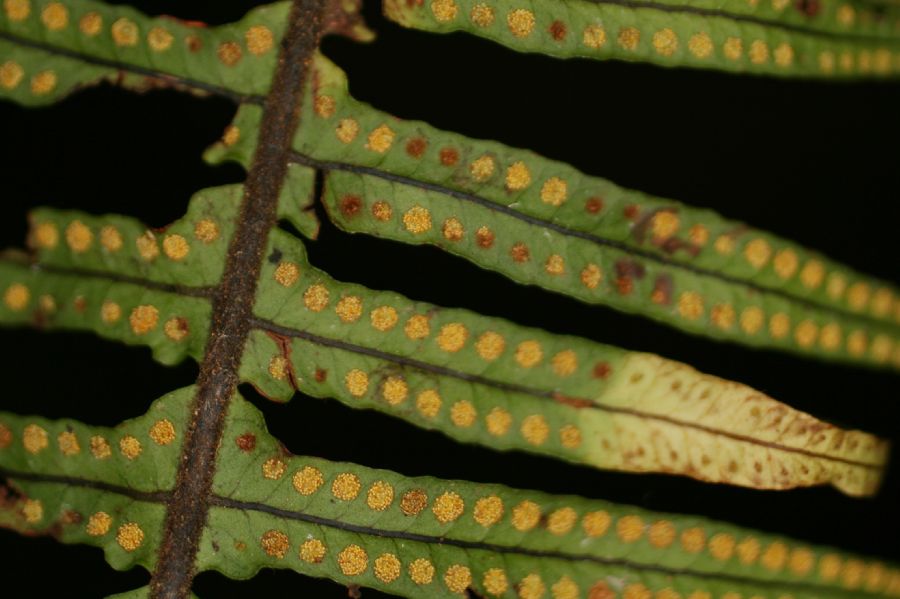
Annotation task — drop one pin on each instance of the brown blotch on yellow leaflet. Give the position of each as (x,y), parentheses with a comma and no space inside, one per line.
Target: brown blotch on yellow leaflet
(159,39)
(421,571)
(665,42)
(229,53)
(629,38)
(380,496)
(495,582)
(498,421)
(275,543)
(384,318)
(273,469)
(146,246)
(259,40)
(16,297)
(130,536)
(526,515)
(316,297)
(690,305)
(79,237)
(345,486)
(413,502)
(452,337)
(463,413)
(458,578)
(130,447)
(346,130)
(349,308)
(17,10)
(307,480)
(144,319)
(394,390)
(532,587)
(417,220)
(98,524)
(312,551)
(357,382)
(453,229)
(125,33)
(630,528)
(444,11)
(488,510)
(100,448)
(595,524)
(594,36)
(55,16)
(34,439)
(68,443)
(561,521)
(162,432)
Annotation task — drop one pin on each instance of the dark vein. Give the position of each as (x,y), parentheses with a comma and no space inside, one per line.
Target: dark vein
(228,503)
(121,66)
(267,325)
(72,481)
(200,292)
(743,18)
(569,232)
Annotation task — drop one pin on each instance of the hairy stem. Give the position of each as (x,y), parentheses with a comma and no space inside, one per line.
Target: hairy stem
(232,306)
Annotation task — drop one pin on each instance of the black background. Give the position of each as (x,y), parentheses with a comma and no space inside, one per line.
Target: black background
(816,162)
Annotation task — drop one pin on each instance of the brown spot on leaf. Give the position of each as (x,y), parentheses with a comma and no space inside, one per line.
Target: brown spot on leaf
(558,30)
(626,272)
(351,205)
(601,590)
(575,402)
(662,290)
(416,147)
(601,370)
(321,375)
(484,237)
(593,205)
(194,43)
(810,8)
(246,442)
(631,211)
(449,156)
(80,304)
(520,253)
